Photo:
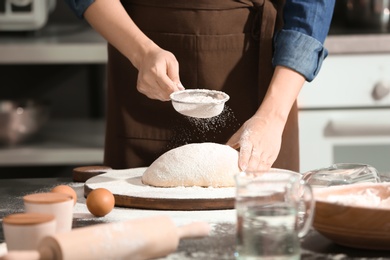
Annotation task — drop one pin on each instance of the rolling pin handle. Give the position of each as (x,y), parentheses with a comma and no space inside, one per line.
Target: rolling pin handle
(21,255)
(194,230)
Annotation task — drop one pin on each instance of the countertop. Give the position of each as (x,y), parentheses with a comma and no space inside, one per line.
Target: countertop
(73,44)
(219,245)
(350,44)
(54,44)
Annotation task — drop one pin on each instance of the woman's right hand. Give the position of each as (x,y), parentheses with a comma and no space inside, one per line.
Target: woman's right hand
(158,74)
(158,70)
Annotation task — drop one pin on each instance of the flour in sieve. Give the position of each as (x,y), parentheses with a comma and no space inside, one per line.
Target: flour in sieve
(199,99)
(199,105)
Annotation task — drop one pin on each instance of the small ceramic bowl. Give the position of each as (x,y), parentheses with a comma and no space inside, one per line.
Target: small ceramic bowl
(199,103)
(355,215)
(58,204)
(24,231)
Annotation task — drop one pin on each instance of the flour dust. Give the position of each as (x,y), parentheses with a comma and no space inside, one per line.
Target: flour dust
(217,129)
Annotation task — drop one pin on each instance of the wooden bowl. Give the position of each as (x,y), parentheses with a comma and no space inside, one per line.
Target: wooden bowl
(351,215)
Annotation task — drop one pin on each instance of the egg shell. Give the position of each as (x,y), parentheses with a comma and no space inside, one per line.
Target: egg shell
(100,202)
(66,190)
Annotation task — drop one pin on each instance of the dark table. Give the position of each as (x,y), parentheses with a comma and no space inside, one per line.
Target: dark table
(219,245)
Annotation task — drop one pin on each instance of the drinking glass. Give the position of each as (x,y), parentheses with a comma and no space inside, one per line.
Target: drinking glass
(274,210)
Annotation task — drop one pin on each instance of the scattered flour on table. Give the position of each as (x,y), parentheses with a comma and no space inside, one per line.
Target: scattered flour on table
(180,217)
(128,183)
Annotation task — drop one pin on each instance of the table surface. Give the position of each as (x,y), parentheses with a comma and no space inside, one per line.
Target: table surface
(219,245)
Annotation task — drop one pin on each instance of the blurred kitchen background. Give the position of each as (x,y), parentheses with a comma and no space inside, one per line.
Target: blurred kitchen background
(52,68)
(50,56)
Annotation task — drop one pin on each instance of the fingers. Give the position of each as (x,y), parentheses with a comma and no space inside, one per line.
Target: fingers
(263,164)
(251,159)
(173,75)
(169,80)
(167,87)
(158,87)
(234,141)
(253,156)
(158,76)
(245,156)
(259,140)
(254,160)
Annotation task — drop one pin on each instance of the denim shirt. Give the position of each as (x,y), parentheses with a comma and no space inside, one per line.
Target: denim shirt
(299,45)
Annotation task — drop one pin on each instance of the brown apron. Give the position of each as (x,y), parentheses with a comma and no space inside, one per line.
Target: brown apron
(217,44)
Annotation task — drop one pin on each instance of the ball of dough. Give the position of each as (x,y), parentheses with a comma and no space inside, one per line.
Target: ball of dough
(197,164)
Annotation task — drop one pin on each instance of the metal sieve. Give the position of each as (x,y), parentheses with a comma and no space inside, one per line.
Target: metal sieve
(199,103)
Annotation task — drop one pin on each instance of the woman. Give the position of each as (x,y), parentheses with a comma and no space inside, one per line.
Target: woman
(225,45)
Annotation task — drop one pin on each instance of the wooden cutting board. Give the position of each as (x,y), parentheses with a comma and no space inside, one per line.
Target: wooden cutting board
(129,191)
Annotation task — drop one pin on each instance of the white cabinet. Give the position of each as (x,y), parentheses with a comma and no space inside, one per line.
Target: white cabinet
(345,81)
(345,113)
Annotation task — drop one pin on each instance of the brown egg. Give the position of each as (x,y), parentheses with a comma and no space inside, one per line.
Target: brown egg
(66,190)
(100,202)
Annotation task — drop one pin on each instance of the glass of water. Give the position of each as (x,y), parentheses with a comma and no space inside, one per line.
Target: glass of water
(274,210)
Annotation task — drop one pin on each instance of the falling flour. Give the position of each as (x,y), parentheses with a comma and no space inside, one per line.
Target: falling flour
(197,130)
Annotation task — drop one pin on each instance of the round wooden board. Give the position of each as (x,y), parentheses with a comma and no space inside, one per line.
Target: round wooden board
(129,191)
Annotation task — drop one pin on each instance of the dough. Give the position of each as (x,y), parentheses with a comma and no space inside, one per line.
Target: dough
(197,164)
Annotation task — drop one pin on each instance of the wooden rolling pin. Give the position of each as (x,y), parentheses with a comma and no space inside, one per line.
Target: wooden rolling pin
(145,238)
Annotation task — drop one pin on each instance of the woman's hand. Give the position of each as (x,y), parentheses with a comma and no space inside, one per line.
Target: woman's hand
(260,138)
(158,69)
(259,142)
(158,74)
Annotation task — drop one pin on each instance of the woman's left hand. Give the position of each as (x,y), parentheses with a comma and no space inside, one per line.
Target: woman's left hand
(259,141)
(260,137)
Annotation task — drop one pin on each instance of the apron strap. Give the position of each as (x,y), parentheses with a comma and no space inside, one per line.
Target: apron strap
(268,17)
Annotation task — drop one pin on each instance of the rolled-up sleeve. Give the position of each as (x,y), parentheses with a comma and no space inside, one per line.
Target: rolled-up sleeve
(299,45)
(79,6)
